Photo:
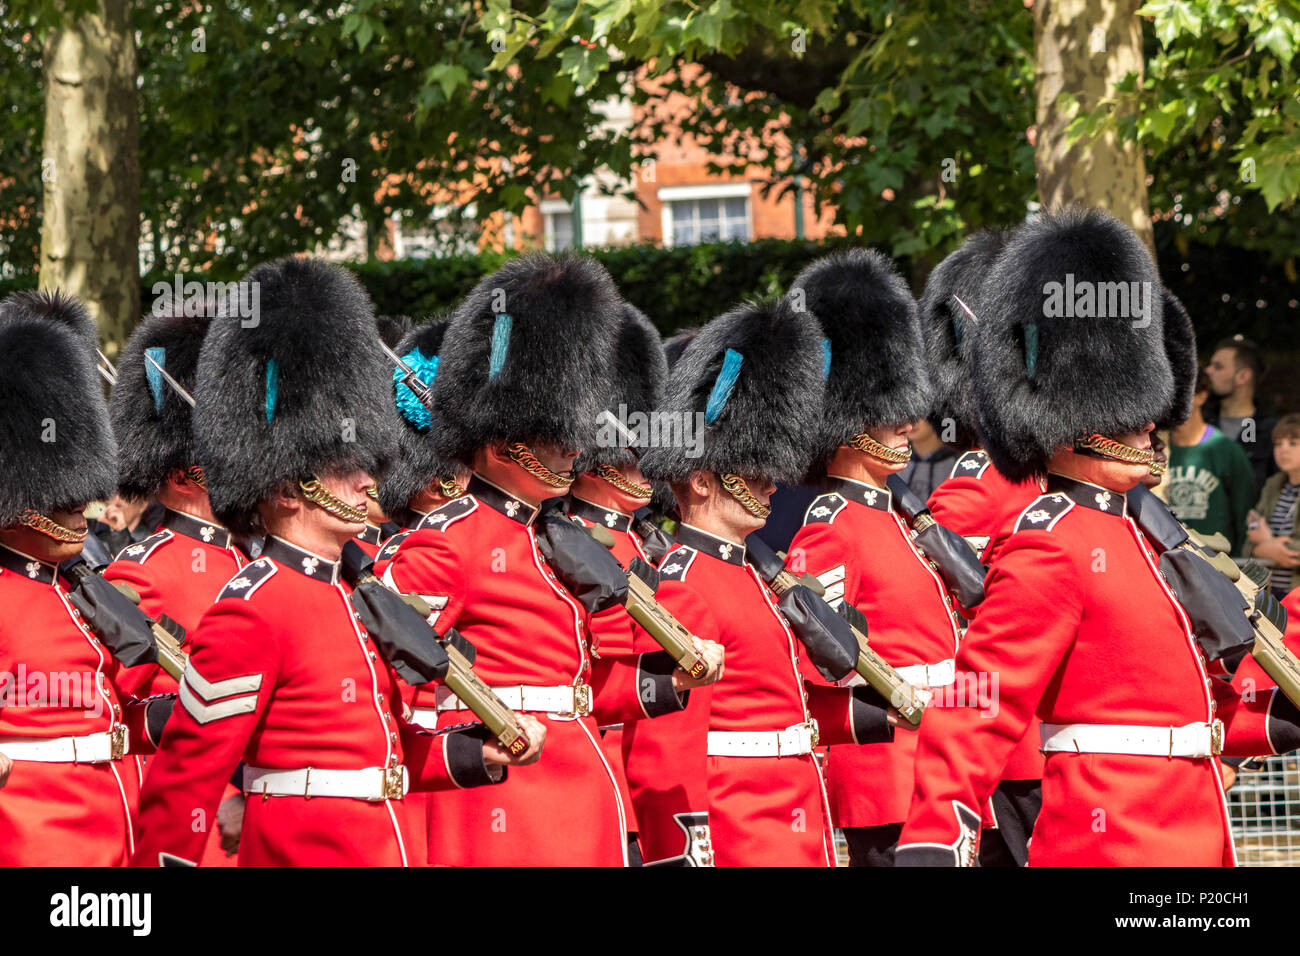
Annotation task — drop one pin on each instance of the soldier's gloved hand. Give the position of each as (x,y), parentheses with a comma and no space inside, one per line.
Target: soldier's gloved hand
(402,636)
(584,566)
(122,626)
(824,634)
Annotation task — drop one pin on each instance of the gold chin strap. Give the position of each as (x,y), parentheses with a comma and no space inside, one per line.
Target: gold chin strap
(523,456)
(373,493)
(450,488)
(315,492)
(735,486)
(51,528)
(890,456)
(1118,451)
(195,474)
(623,484)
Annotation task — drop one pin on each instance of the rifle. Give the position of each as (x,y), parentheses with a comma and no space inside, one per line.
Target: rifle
(657,620)
(110,609)
(873,668)
(459,676)
(1263,612)
(949,552)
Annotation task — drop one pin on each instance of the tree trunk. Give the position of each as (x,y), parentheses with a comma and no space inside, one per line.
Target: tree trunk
(90,230)
(1086,47)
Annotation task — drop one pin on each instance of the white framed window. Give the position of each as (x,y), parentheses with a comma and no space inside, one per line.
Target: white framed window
(693,214)
(557,224)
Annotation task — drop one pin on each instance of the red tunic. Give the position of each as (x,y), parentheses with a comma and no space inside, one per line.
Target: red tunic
(762,811)
(58,680)
(475,560)
(983,507)
(861,551)
(178,573)
(283,676)
(617,635)
(1079,627)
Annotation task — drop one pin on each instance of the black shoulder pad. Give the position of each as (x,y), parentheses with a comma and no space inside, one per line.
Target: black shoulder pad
(1045,511)
(970,465)
(824,508)
(442,518)
(676,563)
(139,552)
(248,580)
(391,545)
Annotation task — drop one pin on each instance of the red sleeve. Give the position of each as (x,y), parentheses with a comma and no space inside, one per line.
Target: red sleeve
(428,564)
(1029,619)
(963,504)
(234,664)
(634,686)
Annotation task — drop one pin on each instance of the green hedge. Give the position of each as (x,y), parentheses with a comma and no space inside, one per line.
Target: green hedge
(1226,290)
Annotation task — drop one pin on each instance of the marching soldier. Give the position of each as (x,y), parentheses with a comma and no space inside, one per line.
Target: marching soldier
(981,505)
(65,723)
(420,481)
(755,376)
(379,528)
(608,490)
(852,538)
(1078,624)
(522,371)
(291,423)
(179,571)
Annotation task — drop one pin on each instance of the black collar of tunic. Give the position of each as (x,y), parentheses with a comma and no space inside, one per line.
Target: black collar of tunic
(879,498)
(1089,495)
(516,509)
(610,518)
(710,544)
(300,559)
(26,566)
(209,532)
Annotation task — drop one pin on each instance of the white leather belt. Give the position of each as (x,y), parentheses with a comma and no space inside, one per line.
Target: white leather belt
(941,674)
(566,700)
(1191,740)
(92,748)
(791,742)
(373,783)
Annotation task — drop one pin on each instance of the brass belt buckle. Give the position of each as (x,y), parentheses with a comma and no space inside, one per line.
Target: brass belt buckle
(394,782)
(1216,736)
(812,726)
(581,699)
(117,741)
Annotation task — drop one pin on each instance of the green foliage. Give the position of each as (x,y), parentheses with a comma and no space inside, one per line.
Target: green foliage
(1219,114)
(266,124)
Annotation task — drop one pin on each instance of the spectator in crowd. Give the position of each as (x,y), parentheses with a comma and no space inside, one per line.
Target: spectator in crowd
(1235,371)
(126,521)
(932,459)
(1211,482)
(1271,526)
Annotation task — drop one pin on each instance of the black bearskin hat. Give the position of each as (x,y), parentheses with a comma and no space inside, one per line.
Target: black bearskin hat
(637,385)
(676,344)
(877,362)
(294,391)
(528,357)
(755,379)
(949,332)
(153,424)
(417,461)
(1180,345)
(56,445)
(1071,341)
